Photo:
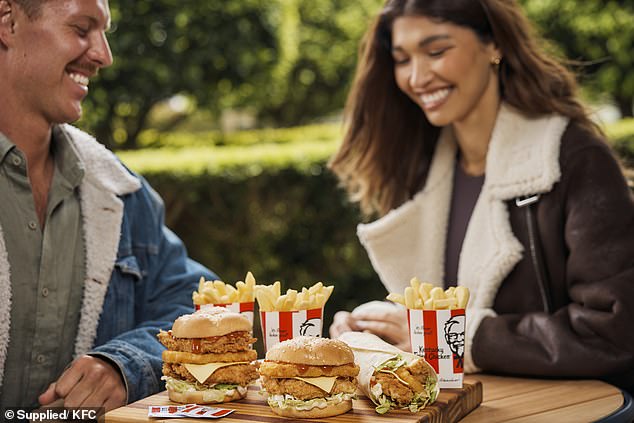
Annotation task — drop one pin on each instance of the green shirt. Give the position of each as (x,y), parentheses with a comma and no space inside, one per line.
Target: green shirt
(47,271)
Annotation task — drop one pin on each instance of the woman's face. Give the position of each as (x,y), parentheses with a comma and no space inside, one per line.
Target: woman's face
(444,68)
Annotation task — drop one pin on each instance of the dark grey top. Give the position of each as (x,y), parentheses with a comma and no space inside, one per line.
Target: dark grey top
(466,190)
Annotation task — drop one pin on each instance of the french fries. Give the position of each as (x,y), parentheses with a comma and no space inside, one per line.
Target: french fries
(270,297)
(218,292)
(425,296)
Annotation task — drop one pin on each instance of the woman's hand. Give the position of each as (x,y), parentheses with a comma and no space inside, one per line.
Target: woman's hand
(383,319)
(341,323)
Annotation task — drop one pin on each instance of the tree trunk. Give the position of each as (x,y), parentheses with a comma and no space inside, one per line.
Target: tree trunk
(136,124)
(625,104)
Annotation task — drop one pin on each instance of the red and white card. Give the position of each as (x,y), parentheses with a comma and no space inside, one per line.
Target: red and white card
(189,410)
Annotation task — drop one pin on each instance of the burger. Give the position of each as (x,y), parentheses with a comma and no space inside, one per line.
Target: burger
(209,357)
(309,377)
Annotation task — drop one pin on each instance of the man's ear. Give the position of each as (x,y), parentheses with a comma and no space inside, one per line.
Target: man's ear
(7,22)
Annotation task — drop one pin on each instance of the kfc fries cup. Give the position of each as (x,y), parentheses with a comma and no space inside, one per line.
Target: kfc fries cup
(239,299)
(438,336)
(245,309)
(278,326)
(296,313)
(437,322)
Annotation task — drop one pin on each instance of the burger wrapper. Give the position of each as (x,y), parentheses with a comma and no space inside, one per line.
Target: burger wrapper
(278,326)
(246,309)
(439,336)
(370,352)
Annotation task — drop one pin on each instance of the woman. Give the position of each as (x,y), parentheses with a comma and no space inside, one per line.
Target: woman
(470,144)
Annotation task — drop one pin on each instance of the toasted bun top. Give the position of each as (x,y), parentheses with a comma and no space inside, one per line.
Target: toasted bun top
(213,321)
(312,351)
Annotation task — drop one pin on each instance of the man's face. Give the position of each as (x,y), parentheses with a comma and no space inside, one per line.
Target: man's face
(53,56)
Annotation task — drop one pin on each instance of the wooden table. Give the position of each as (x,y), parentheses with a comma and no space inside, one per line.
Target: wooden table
(504,399)
(535,400)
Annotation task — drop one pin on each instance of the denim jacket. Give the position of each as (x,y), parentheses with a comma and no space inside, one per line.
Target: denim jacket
(138,276)
(151,286)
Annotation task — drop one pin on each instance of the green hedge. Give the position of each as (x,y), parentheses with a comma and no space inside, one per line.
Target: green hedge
(290,224)
(272,208)
(179,139)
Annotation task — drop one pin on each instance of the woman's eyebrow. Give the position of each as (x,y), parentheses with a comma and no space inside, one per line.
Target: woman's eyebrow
(425,41)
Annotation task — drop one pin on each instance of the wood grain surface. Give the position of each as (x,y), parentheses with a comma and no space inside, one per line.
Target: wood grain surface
(509,399)
(451,406)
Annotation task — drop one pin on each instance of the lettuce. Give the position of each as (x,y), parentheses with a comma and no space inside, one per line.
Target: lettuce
(289,401)
(385,403)
(216,392)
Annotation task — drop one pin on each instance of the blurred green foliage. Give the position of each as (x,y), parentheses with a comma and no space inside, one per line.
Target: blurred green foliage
(600,35)
(287,60)
(318,41)
(291,61)
(180,139)
(218,53)
(621,135)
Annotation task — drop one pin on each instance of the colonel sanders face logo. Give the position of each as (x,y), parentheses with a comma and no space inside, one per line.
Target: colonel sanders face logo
(311,327)
(454,334)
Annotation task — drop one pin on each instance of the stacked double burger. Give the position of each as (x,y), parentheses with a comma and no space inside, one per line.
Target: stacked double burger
(210,358)
(309,377)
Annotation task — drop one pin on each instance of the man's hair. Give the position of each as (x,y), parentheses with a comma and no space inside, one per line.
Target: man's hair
(32,8)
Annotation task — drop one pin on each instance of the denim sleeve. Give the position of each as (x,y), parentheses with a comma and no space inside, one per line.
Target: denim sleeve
(164,292)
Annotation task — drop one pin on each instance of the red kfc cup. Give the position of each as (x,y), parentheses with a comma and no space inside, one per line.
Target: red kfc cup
(246,308)
(278,326)
(439,337)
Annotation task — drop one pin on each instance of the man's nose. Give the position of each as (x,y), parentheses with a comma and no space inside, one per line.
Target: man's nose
(99,51)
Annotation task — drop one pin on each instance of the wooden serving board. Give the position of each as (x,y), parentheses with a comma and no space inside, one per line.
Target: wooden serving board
(451,406)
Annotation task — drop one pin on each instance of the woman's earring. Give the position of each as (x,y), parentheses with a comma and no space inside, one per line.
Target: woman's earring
(496,61)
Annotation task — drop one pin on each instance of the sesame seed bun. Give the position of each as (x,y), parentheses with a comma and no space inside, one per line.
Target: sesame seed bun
(311,351)
(213,321)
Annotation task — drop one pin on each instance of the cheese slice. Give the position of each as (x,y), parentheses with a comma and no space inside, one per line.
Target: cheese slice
(325,383)
(202,371)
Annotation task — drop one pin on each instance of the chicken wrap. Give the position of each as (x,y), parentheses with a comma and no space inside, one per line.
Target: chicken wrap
(390,377)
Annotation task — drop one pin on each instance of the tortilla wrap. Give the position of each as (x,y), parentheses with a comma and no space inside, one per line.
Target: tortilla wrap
(371,352)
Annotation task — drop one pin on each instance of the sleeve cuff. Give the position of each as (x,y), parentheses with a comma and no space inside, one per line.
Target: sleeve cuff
(116,365)
(474,318)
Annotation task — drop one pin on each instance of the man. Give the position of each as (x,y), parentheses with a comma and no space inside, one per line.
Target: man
(87,269)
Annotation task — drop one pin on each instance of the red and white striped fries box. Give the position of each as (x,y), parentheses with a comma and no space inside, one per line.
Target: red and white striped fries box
(439,336)
(246,309)
(278,326)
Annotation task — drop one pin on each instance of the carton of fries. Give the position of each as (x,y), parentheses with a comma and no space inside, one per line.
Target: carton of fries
(239,299)
(436,321)
(296,313)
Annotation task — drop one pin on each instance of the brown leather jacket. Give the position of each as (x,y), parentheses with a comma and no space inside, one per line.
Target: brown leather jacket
(585,226)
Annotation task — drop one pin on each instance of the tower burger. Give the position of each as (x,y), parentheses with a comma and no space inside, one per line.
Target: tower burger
(209,358)
(309,377)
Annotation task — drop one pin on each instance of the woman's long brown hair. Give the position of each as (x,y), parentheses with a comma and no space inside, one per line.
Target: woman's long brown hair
(389,143)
